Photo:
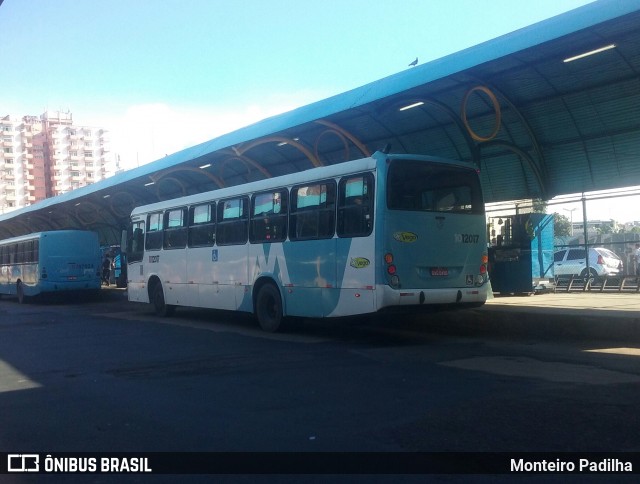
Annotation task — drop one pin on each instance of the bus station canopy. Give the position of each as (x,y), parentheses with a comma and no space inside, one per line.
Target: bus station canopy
(551,109)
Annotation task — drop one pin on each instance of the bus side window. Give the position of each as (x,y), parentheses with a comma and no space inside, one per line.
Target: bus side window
(233,221)
(175,232)
(355,206)
(268,217)
(154,231)
(202,225)
(313,211)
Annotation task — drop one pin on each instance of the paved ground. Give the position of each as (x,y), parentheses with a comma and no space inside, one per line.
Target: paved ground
(554,372)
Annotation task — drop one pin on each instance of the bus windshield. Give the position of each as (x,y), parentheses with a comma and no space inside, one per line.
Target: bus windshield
(430,187)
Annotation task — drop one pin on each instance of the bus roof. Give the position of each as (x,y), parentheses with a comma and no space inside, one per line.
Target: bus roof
(280,181)
(296,178)
(38,235)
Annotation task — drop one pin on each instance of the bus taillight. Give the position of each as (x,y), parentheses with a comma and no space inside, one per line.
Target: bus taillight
(482,276)
(391,270)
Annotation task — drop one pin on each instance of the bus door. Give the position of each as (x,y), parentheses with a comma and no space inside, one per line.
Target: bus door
(311,254)
(227,265)
(355,257)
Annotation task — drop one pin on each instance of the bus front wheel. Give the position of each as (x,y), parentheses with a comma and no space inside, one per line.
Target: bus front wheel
(269,308)
(161,308)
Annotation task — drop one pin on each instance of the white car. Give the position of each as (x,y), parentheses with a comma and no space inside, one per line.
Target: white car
(572,261)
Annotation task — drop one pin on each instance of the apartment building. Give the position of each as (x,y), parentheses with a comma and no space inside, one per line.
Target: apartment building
(45,156)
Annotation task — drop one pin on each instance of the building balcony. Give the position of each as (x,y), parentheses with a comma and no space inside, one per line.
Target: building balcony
(30,177)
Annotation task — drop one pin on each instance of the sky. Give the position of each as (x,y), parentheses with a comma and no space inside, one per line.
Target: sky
(164,75)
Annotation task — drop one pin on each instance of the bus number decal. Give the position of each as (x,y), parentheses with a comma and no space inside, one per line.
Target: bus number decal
(407,237)
(154,259)
(466,238)
(359,262)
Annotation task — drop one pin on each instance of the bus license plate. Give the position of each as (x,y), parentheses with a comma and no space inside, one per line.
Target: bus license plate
(439,271)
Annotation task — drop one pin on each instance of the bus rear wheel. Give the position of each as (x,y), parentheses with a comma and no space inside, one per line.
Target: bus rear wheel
(269,308)
(161,308)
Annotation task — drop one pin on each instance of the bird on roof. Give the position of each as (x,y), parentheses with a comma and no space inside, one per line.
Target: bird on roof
(414,63)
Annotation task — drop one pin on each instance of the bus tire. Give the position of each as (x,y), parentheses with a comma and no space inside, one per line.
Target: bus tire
(20,293)
(269,308)
(161,308)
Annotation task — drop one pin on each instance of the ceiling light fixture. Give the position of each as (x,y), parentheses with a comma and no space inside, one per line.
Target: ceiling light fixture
(205,166)
(149,184)
(591,52)
(410,106)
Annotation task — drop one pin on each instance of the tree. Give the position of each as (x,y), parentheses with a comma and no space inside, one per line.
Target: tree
(561,225)
(538,205)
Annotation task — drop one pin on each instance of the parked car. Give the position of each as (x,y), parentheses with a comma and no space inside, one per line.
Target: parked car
(602,262)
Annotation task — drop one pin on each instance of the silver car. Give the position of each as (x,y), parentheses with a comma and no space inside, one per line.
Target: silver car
(602,262)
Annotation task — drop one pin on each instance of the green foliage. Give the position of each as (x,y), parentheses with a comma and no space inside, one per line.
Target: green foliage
(561,225)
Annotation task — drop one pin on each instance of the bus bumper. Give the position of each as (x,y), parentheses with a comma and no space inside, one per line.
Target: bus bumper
(432,297)
(53,286)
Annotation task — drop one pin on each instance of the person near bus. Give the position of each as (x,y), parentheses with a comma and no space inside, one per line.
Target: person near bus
(106,269)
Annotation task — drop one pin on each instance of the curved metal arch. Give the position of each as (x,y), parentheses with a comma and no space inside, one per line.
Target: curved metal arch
(222,165)
(496,107)
(524,156)
(155,177)
(6,228)
(164,179)
(80,212)
(113,200)
(473,147)
(46,222)
(361,146)
(340,136)
(15,224)
(534,140)
(241,149)
(244,158)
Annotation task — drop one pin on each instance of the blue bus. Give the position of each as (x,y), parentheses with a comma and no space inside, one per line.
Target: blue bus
(383,232)
(45,262)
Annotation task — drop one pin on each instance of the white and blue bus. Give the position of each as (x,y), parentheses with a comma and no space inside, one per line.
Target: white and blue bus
(388,231)
(45,262)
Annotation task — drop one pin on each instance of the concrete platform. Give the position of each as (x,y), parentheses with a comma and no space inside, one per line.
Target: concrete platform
(611,316)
